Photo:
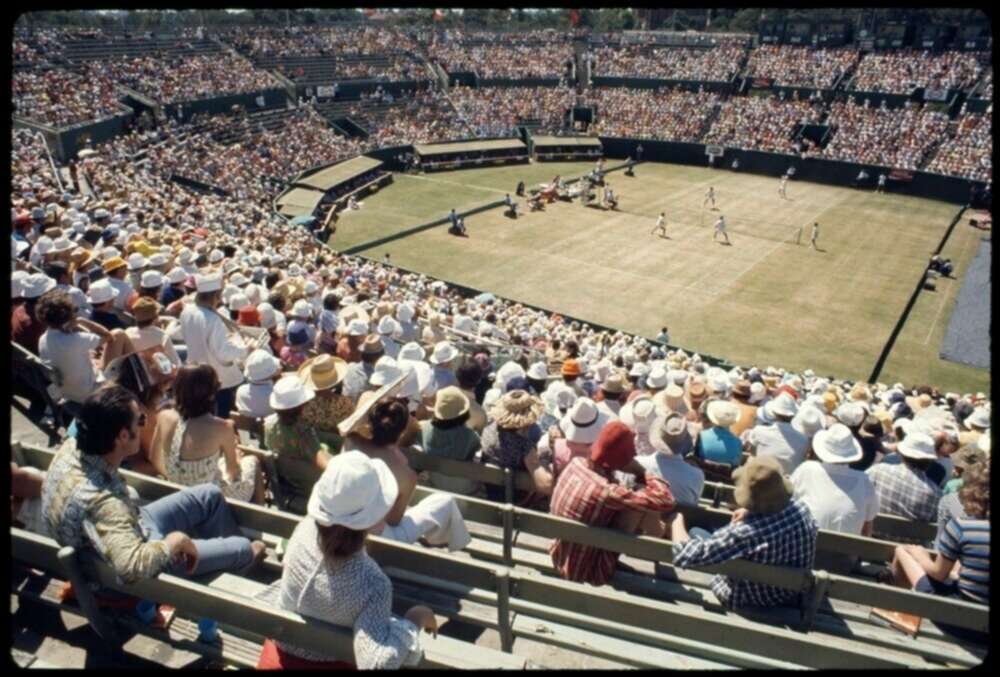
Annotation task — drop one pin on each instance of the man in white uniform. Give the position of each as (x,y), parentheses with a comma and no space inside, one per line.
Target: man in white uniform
(720,227)
(209,342)
(815,236)
(781,187)
(710,197)
(661,225)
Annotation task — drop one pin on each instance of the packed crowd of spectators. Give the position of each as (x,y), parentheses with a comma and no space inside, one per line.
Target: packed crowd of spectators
(496,111)
(986,89)
(41,46)
(503,60)
(898,137)
(386,69)
(718,63)
(761,123)
(641,113)
(61,98)
(29,163)
(257,41)
(176,78)
(424,117)
(969,153)
(248,167)
(800,66)
(901,71)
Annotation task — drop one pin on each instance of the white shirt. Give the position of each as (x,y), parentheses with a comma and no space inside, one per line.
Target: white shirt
(152,337)
(70,354)
(611,408)
(686,481)
(659,220)
(253,399)
(124,292)
(839,498)
(780,440)
(208,342)
(720,224)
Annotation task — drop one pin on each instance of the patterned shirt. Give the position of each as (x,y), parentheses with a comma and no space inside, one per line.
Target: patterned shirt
(968,541)
(86,505)
(584,495)
(296,446)
(904,491)
(786,538)
(505,448)
(324,413)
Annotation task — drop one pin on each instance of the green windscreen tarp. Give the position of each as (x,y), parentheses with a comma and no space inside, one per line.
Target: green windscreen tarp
(432,149)
(550,141)
(342,172)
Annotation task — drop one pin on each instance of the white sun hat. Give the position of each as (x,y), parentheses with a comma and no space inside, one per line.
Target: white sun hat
(261,366)
(386,371)
(176,275)
(444,352)
(136,261)
(151,279)
(837,444)
(657,378)
(36,284)
(357,328)
(290,392)
(101,292)
(411,351)
(354,491)
(583,422)
(638,414)
(918,446)
(783,405)
(979,418)
(538,371)
(722,413)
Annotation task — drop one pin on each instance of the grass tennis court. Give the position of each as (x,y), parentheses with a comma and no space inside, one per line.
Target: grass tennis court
(763,300)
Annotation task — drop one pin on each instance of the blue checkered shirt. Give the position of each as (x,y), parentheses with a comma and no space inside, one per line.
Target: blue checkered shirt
(904,491)
(786,538)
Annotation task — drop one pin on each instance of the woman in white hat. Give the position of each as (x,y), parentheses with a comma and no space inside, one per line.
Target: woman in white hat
(328,576)
(839,497)
(196,447)
(639,415)
(302,457)
(253,398)
(448,436)
(324,375)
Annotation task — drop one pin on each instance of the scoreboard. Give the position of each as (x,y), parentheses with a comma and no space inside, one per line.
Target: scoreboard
(934,36)
(771,32)
(798,33)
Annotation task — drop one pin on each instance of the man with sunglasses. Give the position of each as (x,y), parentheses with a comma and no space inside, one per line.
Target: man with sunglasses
(86,503)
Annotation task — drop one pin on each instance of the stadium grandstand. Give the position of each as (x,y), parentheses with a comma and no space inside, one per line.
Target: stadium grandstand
(501,339)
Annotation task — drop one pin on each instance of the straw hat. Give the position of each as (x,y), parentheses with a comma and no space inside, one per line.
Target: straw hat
(450,403)
(145,308)
(354,491)
(837,444)
(669,434)
(918,403)
(290,392)
(517,409)
(583,421)
(614,384)
(722,413)
(372,345)
(322,372)
(761,487)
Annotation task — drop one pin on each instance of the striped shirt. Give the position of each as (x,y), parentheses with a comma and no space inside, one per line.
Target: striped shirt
(584,495)
(786,538)
(968,541)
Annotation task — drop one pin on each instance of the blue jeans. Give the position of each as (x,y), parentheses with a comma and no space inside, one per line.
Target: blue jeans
(201,513)
(224,400)
(699,533)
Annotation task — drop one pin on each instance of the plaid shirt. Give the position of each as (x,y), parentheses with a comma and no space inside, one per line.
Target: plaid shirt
(786,538)
(584,495)
(904,491)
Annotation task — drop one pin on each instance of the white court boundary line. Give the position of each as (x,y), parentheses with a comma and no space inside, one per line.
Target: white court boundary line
(455,183)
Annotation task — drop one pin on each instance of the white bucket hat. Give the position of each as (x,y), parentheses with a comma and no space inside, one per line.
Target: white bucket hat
(979,418)
(782,405)
(851,414)
(268,316)
(302,310)
(657,378)
(151,279)
(444,352)
(538,371)
(61,244)
(176,275)
(918,446)
(357,328)
(837,444)
(36,284)
(386,371)
(290,392)
(388,326)
(354,491)
(261,366)
(809,421)
(238,280)
(238,301)
(16,278)
(136,261)
(101,292)
(638,414)
(157,260)
(757,392)
(411,351)
(405,312)
(208,282)
(215,256)
(583,422)
(722,413)
(558,399)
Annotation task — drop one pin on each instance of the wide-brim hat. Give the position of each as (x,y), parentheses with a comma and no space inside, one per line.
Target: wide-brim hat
(583,422)
(450,403)
(614,384)
(742,389)
(979,418)
(354,491)
(761,487)
(517,409)
(289,393)
(145,308)
(782,405)
(639,414)
(372,345)
(669,434)
(918,446)
(920,402)
(722,413)
(837,444)
(101,292)
(367,402)
(386,370)
(444,352)
(322,372)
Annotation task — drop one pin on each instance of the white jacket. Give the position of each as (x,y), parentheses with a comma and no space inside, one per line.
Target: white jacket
(208,342)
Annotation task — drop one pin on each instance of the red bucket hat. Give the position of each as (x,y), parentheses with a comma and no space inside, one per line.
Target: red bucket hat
(614,446)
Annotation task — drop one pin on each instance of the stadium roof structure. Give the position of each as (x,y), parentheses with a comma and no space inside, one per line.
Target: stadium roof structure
(430,149)
(299,201)
(588,141)
(334,175)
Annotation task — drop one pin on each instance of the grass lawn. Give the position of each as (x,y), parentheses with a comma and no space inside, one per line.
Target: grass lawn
(764,300)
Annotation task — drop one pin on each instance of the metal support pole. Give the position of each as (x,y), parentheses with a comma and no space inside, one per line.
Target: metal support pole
(508,486)
(88,603)
(508,534)
(503,611)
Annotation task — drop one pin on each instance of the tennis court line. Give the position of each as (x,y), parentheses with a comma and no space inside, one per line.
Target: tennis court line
(456,183)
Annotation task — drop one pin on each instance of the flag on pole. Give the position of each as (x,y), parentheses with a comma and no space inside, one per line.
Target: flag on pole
(574,17)
(438,15)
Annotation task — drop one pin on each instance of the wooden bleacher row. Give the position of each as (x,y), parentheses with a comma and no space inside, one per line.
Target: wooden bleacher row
(597,621)
(271,120)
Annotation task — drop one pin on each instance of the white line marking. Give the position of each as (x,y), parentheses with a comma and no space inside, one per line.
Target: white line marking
(455,183)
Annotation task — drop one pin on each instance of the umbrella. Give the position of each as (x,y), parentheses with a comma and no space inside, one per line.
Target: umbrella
(485,297)
(304,220)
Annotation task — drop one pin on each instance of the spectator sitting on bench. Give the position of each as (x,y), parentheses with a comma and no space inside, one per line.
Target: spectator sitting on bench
(328,575)
(769,527)
(941,265)
(86,504)
(302,457)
